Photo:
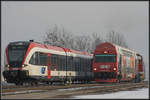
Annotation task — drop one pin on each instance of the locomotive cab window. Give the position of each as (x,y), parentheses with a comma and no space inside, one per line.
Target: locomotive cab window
(105,58)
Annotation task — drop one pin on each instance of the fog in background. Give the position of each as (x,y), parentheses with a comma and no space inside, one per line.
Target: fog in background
(26,20)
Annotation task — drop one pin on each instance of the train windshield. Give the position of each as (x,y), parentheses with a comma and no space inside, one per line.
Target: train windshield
(16,54)
(105,58)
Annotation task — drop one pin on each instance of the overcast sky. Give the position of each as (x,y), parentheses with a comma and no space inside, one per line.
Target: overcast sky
(30,20)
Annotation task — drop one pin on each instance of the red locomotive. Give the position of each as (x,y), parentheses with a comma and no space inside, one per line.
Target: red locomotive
(112,63)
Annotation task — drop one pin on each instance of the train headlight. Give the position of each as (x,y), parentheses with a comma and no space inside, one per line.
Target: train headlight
(105,51)
(24,65)
(94,68)
(114,68)
(7,65)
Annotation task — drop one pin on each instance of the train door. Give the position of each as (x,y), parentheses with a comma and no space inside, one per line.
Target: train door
(124,67)
(120,67)
(48,65)
(136,66)
(140,64)
(120,63)
(139,69)
(132,64)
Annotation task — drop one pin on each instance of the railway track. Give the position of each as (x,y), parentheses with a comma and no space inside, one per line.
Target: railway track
(97,87)
(44,87)
(30,86)
(21,87)
(101,90)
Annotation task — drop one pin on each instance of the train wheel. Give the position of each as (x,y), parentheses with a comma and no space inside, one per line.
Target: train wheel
(16,83)
(25,83)
(47,82)
(65,82)
(137,78)
(118,80)
(51,83)
(19,83)
(34,83)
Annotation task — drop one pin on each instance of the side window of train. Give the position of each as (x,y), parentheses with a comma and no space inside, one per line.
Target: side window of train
(53,61)
(43,59)
(69,63)
(34,59)
(63,62)
(60,62)
(80,65)
(82,62)
(39,58)
(91,66)
(88,64)
(76,63)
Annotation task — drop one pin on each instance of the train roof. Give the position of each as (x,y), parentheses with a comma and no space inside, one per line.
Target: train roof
(57,48)
(121,47)
(19,43)
(81,52)
(122,50)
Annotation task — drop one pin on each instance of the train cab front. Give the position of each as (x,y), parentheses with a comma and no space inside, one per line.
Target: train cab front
(105,63)
(104,67)
(15,54)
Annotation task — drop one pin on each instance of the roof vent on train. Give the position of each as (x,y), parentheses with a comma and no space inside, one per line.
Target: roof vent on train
(31,40)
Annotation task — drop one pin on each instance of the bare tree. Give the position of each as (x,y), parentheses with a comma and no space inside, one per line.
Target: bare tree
(52,37)
(66,39)
(82,43)
(96,40)
(116,38)
(61,37)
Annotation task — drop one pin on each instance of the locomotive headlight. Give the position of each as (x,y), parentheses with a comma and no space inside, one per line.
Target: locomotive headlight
(24,65)
(94,68)
(105,51)
(114,68)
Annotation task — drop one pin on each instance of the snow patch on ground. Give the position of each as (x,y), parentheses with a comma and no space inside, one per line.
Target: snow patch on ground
(78,88)
(135,94)
(21,92)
